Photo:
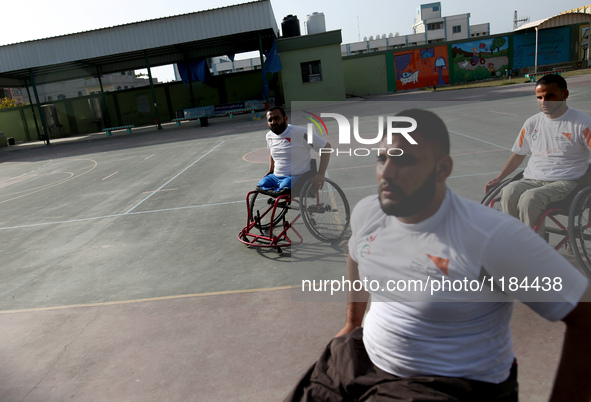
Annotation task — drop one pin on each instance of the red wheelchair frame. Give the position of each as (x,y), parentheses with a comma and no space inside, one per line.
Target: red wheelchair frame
(325,213)
(269,240)
(576,207)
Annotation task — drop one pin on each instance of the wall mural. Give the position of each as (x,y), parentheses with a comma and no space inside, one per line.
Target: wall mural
(421,68)
(480,59)
(553,47)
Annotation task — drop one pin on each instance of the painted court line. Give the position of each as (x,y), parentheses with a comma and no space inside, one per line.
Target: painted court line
(373,165)
(177,175)
(166,189)
(478,139)
(510,114)
(119,215)
(112,174)
(162,298)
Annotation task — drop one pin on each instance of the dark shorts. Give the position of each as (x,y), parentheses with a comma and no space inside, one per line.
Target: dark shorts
(344,372)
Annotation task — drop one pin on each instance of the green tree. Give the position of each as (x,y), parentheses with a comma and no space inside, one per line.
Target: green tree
(497,44)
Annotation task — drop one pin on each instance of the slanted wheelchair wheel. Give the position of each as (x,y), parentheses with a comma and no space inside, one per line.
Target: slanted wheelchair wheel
(325,212)
(579,229)
(261,206)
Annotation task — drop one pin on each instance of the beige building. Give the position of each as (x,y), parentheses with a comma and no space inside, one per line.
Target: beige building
(429,27)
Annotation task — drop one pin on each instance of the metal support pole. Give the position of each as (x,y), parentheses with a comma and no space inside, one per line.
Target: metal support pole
(33,111)
(157,112)
(105,109)
(43,125)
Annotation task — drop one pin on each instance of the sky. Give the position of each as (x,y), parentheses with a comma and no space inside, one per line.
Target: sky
(37,19)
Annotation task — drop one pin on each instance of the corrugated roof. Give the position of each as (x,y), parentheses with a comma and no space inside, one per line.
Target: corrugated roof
(231,29)
(557,21)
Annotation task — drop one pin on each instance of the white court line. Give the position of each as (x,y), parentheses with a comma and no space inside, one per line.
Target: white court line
(178,174)
(119,215)
(478,139)
(193,207)
(510,114)
(450,177)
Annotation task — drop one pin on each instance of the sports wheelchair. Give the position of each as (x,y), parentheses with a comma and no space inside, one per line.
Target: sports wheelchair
(325,213)
(569,218)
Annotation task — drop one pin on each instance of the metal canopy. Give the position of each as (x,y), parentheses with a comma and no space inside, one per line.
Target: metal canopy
(557,21)
(222,31)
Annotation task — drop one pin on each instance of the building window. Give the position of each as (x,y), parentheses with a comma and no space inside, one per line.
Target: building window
(61,96)
(311,71)
(457,29)
(436,8)
(434,26)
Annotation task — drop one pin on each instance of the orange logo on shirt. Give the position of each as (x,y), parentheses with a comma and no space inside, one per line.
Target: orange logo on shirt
(521,135)
(567,135)
(442,263)
(587,134)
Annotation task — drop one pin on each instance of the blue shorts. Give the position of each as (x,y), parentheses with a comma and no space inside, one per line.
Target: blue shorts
(277,183)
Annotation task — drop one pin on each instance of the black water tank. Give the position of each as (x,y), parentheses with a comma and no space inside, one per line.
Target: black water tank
(290,26)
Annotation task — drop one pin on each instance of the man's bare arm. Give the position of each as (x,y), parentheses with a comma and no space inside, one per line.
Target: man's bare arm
(271,165)
(512,163)
(357,300)
(572,379)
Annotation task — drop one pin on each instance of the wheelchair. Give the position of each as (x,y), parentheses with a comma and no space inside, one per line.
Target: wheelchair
(325,213)
(569,218)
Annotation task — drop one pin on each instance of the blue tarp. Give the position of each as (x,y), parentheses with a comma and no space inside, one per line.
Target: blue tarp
(198,71)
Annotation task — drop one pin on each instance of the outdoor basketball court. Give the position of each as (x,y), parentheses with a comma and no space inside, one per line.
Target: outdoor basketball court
(122,277)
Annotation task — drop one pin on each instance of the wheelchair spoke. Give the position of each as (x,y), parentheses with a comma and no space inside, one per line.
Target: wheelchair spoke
(580,229)
(326,211)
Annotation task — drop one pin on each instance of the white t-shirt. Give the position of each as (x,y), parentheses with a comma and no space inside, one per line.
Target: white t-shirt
(291,150)
(463,332)
(559,147)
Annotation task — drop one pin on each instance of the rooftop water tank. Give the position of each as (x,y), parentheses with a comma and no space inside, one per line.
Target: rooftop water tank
(315,23)
(290,26)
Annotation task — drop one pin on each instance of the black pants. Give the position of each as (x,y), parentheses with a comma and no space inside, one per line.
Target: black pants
(344,372)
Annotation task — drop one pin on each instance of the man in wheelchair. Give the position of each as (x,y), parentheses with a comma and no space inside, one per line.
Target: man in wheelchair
(290,155)
(559,140)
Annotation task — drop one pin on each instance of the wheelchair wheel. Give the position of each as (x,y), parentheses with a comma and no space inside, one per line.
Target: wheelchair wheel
(325,212)
(579,228)
(261,207)
(494,193)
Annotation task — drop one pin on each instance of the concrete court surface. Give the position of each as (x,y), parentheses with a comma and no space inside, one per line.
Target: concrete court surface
(122,279)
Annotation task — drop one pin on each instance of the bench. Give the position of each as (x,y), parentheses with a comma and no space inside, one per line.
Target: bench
(126,128)
(532,77)
(203,122)
(231,113)
(178,121)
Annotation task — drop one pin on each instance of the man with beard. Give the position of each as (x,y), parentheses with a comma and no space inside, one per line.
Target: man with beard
(434,342)
(558,138)
(290,153)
